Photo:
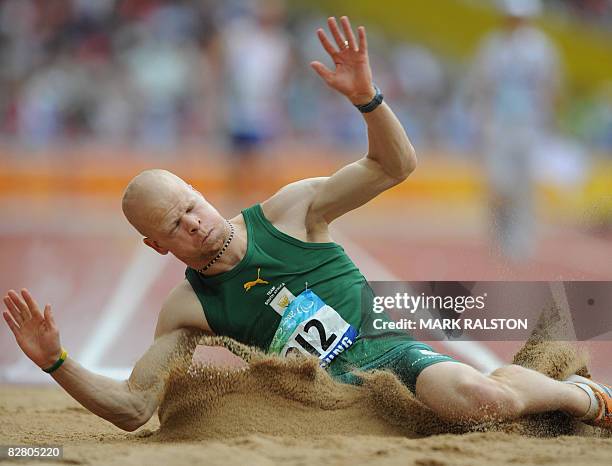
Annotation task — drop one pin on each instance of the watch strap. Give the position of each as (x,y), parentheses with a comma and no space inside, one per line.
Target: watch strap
(372,104)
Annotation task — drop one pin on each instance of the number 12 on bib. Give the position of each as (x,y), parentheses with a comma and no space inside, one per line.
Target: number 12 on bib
(309,326)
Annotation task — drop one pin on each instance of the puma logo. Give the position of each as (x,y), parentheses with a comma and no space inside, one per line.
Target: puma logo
(248,285)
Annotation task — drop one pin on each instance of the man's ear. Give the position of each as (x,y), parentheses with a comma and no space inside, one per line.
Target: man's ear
(153,244)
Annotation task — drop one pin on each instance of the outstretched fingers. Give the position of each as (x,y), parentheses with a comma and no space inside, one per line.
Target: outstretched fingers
(325,42)
(49,316)
(15,313)
(322,71)
(333,27)
(348,33)
(11,323)
(32,304)
(363,41)
(20,304)
(356,44)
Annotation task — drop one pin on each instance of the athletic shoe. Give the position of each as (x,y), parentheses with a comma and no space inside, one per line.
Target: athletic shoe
(603,393)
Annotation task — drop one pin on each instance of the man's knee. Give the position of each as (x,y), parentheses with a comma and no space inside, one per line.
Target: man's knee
(460,393)
(487,397)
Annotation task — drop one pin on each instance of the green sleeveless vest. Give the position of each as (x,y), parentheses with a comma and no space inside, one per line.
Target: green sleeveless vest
(246,302)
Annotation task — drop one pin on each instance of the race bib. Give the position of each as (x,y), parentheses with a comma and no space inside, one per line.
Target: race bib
(309,326)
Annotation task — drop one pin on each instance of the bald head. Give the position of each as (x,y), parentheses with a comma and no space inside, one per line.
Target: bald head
(148,195)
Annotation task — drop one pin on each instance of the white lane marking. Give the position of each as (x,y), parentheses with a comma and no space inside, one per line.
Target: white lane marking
(371,267)
(473,352)
(144,268)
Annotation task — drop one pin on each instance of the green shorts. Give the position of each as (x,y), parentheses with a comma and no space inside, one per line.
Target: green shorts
(406,360)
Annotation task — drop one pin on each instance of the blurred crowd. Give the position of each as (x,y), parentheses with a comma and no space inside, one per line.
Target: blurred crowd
(593,11)
(159,73)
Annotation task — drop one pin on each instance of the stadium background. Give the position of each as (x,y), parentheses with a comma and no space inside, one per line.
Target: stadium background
(91,92)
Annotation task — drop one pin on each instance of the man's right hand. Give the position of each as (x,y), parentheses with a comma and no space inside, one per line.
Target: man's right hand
(129,403)
(35,332)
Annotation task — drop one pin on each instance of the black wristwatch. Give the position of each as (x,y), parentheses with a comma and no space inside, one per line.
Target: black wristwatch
(372,104)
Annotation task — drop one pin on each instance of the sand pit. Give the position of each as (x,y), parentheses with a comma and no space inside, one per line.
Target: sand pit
(291,412)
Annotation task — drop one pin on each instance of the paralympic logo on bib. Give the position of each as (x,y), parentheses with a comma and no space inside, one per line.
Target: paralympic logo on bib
(304,307)
(311,327)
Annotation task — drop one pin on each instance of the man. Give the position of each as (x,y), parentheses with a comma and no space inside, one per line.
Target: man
(515,85)
(271,277)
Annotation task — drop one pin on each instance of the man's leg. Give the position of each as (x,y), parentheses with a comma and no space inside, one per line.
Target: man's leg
(458,392)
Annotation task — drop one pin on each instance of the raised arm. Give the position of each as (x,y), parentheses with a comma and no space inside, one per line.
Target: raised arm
(390,158)
(127,404)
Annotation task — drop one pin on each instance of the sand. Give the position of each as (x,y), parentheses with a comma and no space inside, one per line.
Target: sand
(289,411)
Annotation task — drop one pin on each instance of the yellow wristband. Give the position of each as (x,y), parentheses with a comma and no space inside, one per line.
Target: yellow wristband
(58,363)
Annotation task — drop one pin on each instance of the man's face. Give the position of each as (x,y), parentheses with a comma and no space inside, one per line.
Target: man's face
(176,218)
